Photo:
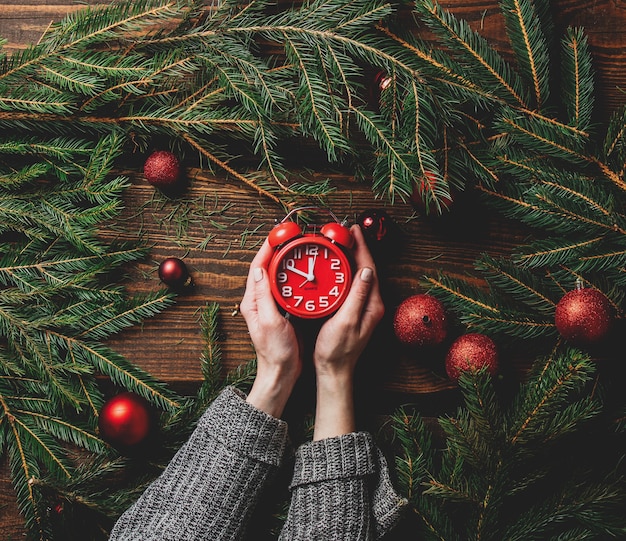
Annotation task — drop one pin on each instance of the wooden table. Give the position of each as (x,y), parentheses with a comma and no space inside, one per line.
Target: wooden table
(218,225)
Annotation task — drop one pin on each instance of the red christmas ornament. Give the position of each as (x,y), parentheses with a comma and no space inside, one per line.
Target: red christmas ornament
(583,316)
(162,169)
(427,185)
(124,420)
(376,224)
(383,81)
(377,84)
(471,352)
(420,320)
(173,272)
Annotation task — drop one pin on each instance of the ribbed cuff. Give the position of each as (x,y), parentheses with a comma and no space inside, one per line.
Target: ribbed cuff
(346,456)
(245,429)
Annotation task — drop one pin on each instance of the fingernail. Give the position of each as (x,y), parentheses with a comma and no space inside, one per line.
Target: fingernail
(366,274)
(258,274)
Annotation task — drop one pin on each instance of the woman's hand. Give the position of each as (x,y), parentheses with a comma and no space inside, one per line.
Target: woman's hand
(341,341)
(279,362)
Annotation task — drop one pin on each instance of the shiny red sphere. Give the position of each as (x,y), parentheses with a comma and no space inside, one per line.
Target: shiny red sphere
(173,272)
(125,420)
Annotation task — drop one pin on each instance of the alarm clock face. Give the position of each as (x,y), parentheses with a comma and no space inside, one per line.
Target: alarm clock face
(310,276)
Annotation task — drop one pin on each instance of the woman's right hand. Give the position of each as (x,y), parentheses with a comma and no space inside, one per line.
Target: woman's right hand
(339,345)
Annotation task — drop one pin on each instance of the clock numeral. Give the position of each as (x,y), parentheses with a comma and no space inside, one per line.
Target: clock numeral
(334,291)
(310,305)
(281,277)
(335,264)
(312,249)
(297,253)
(340,277)
(288,263)
(287,291)
(299,299)
(323,300)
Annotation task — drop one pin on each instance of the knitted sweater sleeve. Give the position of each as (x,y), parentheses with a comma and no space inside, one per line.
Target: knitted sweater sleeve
(341,490)
(210,487)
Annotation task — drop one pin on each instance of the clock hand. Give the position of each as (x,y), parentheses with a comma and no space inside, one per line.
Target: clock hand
(293,268)
(310,276)
(311,269)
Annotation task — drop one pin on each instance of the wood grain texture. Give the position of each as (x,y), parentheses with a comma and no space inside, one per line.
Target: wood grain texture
(218,224)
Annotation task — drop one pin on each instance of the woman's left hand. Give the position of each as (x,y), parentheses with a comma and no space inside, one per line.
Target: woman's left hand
(279,361)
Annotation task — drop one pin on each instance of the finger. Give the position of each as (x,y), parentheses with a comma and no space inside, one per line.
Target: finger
(265,303)
(261,259)
(354,305)
(362,255)
(255,273)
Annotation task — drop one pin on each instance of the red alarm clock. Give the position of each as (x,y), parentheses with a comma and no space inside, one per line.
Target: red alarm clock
(310,272)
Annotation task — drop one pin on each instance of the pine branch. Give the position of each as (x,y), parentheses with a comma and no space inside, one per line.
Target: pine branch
(477,56)
(519,469)
(530,47)
(538,400)
(577,81)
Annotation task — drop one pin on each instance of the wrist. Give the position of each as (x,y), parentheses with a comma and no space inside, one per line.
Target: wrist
(334,415)
(271,390)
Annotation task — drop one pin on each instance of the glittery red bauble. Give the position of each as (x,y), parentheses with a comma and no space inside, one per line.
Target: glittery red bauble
(124,420)
(162,169)
(583,316)
(471,352)
(420,320)
(174,273)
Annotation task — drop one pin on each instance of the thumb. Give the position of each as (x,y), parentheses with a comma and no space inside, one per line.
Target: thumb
(266,306)
(359,293)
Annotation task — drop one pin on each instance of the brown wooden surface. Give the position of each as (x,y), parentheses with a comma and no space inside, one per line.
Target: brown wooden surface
(236,221)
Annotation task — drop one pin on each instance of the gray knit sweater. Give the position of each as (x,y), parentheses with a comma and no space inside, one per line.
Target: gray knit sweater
(340,489)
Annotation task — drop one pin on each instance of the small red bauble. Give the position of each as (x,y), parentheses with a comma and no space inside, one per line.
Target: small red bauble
(124,420)
(162,169)
(376,224)
(173,272)
(420,320)
(583,316)
(427,185)
(377,84)
(471,352)
(382,81)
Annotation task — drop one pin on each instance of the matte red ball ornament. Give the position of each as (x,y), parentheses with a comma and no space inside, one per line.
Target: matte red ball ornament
(420,320)
(583,316)
(125,420)
(471,352)
(174,273)
(162,169)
